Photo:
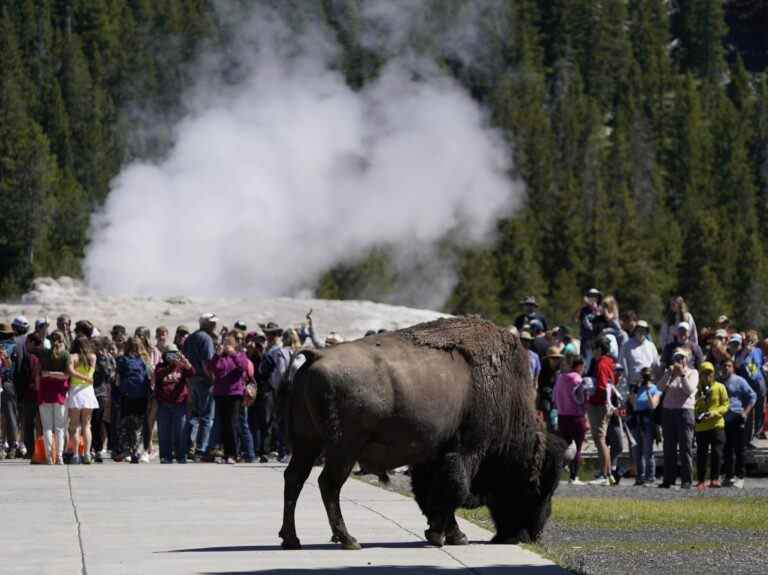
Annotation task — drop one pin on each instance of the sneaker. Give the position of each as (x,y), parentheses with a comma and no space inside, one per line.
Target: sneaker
(639,482)
(263,459)
(701,486)
(59,460)
(135,458)
(576,481)
(615,478)
(686,485)
(144,458)
(86,459)
(22,452)
(249,460)
(602,481)
(664,485)
(728,482)
(229,461)
(165,461)
(715,484)
(739,483)
(74,460)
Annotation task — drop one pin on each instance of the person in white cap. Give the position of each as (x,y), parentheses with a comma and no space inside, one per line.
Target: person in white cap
(682,341)
(639,352)
(677,313)
(199,349)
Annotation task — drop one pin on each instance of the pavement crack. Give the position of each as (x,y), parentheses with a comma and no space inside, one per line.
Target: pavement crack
(83,566)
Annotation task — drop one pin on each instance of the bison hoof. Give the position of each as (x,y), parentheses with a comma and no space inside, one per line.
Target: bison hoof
(435,538)
(351,545)
(514,539)
(457,538)
(291,543)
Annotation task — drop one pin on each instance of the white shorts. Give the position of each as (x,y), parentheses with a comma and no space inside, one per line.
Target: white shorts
(82,397)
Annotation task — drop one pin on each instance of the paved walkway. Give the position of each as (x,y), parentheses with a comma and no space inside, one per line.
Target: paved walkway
(217,519)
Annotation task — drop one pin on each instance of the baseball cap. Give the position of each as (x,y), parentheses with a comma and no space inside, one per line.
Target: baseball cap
(721,333)
(679,354)
(526,336)
(207,318)
(707,367)
(20,322)
(41,323)
(241,326)
(735,338)
(642,324)
(683,325)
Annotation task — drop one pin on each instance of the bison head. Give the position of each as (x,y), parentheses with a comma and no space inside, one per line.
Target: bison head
(520,508)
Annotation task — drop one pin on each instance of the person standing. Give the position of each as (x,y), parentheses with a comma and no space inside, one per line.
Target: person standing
(589,318)
(749,365)
(171,392)
(51,397)
(530,312)
(710,410)
(133,383)
(199,349)
(677,313)
(271,371)
(550,370)
(741,400)
(682,341)
(639,353)
(679,384)
(81,398)
(571,414)
(598,409)
(229,370)
(644,398)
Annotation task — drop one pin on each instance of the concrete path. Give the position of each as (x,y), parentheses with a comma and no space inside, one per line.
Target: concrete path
(218,519)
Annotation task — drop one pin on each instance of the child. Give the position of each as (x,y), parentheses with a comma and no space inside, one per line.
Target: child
(133,378)
(171,393)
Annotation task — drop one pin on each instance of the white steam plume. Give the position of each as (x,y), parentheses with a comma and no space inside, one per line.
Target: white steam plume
(273,181)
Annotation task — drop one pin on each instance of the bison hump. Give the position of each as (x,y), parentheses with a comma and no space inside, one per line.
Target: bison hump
(480,342)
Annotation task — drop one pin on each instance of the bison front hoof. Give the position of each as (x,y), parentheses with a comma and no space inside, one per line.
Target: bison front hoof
(457,538)
(435,538)
(291,543)
(511,539)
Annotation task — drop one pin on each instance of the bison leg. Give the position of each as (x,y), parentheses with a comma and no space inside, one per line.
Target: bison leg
(335,473)
(295,476)
(440,487)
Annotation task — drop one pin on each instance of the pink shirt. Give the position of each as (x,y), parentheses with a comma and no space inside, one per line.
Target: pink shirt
(564,399)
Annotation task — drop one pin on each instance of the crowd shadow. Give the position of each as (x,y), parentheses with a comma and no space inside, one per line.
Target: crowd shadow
(403,570)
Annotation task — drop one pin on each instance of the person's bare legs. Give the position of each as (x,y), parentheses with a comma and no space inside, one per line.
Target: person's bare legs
(85,425)
(74,426)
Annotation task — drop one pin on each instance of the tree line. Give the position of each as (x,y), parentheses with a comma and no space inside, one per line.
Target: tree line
(640,134)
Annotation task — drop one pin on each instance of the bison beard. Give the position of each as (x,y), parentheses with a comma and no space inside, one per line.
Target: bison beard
(453,400)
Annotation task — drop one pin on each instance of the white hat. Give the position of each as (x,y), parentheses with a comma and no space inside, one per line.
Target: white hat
(20,321)
(208,318)
(643,324)
(721,333)
(684,325)
(735,338)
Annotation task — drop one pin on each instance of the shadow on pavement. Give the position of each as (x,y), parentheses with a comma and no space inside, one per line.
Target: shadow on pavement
(404,570)
(310,547)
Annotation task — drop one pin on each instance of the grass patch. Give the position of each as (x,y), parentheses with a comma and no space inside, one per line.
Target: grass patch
(620,513)
(749,514)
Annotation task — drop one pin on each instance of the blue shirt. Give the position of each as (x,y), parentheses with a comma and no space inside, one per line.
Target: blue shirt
(199,349)
(644,395)
(534,362)
(740,396)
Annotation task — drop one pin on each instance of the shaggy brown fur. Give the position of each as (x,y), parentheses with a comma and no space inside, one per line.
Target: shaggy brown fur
(449,398)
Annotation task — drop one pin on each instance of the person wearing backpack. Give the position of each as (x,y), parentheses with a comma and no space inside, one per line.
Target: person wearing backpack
(52,395)
(8,403)
(229,370)
(133,384)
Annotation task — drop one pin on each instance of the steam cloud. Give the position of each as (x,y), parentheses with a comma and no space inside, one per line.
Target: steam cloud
(272,181)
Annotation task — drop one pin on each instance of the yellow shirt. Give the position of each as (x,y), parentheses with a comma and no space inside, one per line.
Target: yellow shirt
(716,404)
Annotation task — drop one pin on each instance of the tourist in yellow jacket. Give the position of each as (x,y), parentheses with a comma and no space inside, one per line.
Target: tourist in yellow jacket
(710,409)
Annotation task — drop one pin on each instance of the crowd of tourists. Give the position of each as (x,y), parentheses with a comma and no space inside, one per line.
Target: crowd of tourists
(70,394)
(73,395)
(686,388)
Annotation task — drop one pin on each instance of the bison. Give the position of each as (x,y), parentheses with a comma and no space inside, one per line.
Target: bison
(453,400)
